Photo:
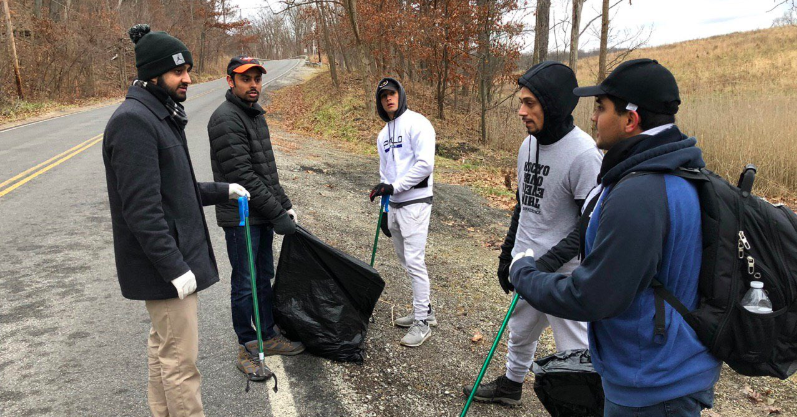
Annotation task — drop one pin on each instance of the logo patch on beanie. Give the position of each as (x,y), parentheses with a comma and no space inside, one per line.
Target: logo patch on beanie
(178,59)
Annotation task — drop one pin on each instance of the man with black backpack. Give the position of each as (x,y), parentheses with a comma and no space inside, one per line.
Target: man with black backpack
(644,229)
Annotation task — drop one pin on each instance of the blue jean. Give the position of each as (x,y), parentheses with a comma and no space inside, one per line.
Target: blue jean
(243,313)
(686,406)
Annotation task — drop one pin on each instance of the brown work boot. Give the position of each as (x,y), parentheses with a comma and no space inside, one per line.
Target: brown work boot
(280,345)
(250,365)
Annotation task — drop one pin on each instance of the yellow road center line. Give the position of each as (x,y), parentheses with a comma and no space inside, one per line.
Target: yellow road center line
(27,171)
(96,139)
(69,154)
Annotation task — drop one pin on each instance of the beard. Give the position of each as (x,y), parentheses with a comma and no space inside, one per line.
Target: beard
(249,99)
(172,90)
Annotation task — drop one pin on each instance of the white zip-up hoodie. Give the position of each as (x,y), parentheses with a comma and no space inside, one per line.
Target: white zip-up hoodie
(406,147)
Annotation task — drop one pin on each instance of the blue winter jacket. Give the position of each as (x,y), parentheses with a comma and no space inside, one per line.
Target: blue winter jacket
(645,227)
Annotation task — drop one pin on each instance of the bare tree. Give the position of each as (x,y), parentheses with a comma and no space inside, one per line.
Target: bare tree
(333,71)
(541,31)
(789,18)
(13,48)
(575,33)
(604,42)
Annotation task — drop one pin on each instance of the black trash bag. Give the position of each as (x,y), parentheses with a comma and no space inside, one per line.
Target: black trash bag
(567,384)
(324,297)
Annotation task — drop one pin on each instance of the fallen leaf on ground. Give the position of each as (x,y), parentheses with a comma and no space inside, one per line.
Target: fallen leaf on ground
(751,394)
(772,410)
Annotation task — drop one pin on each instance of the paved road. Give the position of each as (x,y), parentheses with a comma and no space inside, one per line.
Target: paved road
(69,343)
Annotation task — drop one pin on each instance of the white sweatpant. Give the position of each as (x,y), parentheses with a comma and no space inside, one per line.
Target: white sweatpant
(409,226)
(525,327)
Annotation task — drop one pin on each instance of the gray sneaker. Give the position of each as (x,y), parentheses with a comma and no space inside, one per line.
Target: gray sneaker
(418,333)
(407,320)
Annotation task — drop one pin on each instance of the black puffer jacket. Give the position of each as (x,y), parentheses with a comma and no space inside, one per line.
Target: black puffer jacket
(240,152)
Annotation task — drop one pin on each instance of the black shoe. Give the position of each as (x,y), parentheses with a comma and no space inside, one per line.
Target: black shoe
(503,390)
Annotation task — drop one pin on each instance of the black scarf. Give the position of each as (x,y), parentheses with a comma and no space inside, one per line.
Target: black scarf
(619,153)
(176,110)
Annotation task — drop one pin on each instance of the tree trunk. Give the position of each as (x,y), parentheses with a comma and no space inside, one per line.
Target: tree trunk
(13,48)
(541,29)
(602,53)
(351,9)
(575,32)
(201,65)
(37,8)
(484,60)
(604,42)
(333,71)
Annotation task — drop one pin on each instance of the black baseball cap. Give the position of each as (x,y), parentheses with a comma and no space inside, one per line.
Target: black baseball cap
(642,82)
(242,63)
(386,85)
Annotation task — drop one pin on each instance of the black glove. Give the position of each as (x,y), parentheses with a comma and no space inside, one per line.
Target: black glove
(381,189)
(284,224)
(383,226)
(503,275)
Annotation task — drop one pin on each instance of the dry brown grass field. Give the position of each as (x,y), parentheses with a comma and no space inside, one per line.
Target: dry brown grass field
(739,99)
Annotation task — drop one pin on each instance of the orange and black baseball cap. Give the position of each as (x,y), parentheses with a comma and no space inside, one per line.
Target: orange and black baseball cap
(242,63)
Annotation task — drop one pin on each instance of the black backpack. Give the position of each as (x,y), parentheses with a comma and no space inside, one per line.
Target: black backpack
(745,238)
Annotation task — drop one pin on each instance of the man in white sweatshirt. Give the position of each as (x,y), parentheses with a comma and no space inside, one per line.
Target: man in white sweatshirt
(406,160)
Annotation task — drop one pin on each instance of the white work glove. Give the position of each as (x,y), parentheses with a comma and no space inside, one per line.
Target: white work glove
(292,214)
(238,191)
(528,252)
(185,284)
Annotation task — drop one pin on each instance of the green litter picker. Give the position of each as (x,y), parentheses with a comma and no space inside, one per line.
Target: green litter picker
(490,355)
(243,213)
(383,208)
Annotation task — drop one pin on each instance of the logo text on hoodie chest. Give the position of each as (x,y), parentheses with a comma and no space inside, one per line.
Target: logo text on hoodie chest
(391,143)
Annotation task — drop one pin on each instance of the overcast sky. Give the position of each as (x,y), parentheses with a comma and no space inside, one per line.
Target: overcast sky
(670,20)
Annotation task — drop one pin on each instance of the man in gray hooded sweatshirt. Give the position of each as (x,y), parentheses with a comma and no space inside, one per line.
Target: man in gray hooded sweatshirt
(406,160)
(557,166)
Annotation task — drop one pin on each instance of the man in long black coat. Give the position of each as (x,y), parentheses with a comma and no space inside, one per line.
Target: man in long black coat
(161,240)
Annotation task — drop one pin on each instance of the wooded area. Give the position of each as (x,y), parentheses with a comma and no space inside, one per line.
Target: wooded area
(73,49)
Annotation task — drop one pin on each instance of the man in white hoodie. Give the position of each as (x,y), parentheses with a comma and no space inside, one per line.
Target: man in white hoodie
(406,160)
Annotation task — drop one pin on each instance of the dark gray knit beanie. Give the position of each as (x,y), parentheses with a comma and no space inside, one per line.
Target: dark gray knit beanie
(157,52)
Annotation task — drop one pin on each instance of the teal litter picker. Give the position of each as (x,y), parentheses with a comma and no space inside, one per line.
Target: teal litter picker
(243,213)
(490,355)
(383,208)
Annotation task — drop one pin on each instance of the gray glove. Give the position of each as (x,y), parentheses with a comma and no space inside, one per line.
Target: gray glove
(284,224)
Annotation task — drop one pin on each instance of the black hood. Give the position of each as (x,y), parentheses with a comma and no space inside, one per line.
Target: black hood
(402,104)
(552,83)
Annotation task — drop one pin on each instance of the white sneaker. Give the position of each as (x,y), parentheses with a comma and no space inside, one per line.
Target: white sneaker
(407,320)
(418,333)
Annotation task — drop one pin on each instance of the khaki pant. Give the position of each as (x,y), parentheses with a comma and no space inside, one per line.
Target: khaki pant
(173,347)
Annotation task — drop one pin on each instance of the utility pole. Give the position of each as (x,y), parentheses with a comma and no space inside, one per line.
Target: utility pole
(13,47)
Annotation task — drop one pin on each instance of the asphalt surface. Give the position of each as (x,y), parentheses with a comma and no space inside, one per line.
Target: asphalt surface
(70,344)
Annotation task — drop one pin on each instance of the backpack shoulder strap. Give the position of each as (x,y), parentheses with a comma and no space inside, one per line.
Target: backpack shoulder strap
(661,295)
